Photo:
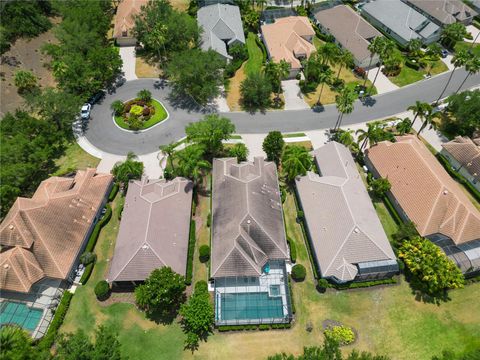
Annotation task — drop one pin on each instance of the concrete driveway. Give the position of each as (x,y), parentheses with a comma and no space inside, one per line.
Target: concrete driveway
(127,53)
(293,96)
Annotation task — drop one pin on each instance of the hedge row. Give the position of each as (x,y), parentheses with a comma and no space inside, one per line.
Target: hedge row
(363,284)
(261,45)
(291,295)
(293,250)
(457,176)
(86,274)
(191,250)
(391,209)
(96,230)
(47,341)
(113,192)
(224,328)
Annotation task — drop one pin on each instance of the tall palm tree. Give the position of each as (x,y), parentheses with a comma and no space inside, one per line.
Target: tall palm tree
(323,78)
(385,47)
(345,58)
(372,135)
(296,161)
(414,46)
(373,47)
(344,102)
(419,109)
(328,54)
(169,150)
(472,66)
(191,163)
(404,126)
(429,120)
(128,170)
(278,72)
(459,59)
(344,137)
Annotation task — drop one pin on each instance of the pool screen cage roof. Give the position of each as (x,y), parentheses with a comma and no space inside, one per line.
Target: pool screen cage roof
(245,300)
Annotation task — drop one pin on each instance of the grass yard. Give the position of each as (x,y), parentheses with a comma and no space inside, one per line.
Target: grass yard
(143,69)
(181,5)
(159,116)
(293,135)
(255,60)
(200,270)
(306,144)
(74,158)
(408,75)
(466,46)
(233,95)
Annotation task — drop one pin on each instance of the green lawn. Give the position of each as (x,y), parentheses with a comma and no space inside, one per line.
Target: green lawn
(255,56)
(408,75)
(74,158)
(292,135)
(159,116)
(466,46)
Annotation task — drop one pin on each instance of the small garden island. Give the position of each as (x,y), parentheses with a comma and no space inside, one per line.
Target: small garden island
(140,113)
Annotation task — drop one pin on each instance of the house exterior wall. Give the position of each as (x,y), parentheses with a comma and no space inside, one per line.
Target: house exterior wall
(126,41)
(461,169)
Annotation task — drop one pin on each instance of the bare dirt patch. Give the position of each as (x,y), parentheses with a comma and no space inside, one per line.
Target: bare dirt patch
(144,69)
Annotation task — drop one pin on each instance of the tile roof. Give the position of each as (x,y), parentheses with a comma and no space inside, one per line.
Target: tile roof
(342,222)
(124,18)
(284,39)
(352,31)
(425,191)
(52,225)
(467,153)
(154,229)
(220,23)
(445,11)
(247,218)
(19,269)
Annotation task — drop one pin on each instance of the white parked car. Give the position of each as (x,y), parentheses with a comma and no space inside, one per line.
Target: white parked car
(85,112)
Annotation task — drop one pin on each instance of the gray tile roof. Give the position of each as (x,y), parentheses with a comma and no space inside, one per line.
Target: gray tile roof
(400,18)
(154,229)
(467,153)
(445,11)
(343,224)
(247,218)
(221,25)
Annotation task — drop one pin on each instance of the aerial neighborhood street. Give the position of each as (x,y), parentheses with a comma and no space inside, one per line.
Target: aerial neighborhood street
(240,179)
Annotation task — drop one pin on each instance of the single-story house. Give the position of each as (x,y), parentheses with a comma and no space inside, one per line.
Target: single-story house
(475,5)
(464,155)
(290,39)
(124,21)
(153,232)
(424,193)
(41,241)
(249,248)
(345,233)
(222,27)
(400,21)
(444,12)
(350,31)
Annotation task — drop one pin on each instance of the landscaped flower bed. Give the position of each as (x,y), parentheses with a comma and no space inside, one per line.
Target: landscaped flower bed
(139,114)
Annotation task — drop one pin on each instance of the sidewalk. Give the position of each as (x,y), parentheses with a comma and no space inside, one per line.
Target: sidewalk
(383,84)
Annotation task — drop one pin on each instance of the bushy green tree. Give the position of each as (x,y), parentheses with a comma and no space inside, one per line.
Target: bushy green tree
(128,170)
(296,161)
(240,151)
(462,114)
(16,344)
(406,230)
(432,271)
(25,81)
(380,186)
(452,33)
(196,74)
(273,145)
(197,316)
(191,163)
(161,293)
(299,272)
(210,132)
(255,92)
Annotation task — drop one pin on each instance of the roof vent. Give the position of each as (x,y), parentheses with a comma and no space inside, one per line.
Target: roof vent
(249,221)
(445,192)
(6,266)
(11,227)
(145,247)
(356,230)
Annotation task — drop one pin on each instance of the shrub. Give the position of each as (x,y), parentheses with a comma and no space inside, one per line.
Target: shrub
(343,335)
(263,327)
(360,72)
(144,95)
(299,272)
(117,107)
(86,274)
(363,284)
(191,250)
(102,290)
(204,253)
(113,192)
(87,258)
(322,285)
(291,295)
(209,219)
(300,215)
(96,230)
(25,81)
(146,111)
(136,110)
(293,250)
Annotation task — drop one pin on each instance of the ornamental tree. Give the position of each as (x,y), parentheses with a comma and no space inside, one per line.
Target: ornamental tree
(380,186)
(240,151)
(432,271)
(273,146)
(161,293)
(255,92)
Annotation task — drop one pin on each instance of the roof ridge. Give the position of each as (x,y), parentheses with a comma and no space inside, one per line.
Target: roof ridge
(338,251)
(246,257)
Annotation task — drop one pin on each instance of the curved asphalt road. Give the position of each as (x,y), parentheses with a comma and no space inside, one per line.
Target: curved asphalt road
(105,135)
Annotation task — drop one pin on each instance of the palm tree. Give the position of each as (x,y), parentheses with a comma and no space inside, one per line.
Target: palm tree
(128,170)
(344,101)
(404,126)
(144,95)
(277,72)
(369,135)
(452,33)
(328,54)
(117,107)
(262,3)
(191,163)
(344,137)
(345,58)
(472,66)
(414,46)
(385,47)
(459,59)
(429,120)
(419,109)
(296,161)
(373,47)
(169,150)
(323,78)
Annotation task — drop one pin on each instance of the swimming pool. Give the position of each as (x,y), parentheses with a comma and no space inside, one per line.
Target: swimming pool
(12,312)
(249,306)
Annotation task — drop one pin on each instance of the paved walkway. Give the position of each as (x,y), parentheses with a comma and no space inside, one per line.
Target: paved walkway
(293,96)
(383,84)
(475,33)
(127,53)
(254,144)
(221,101)
(448,61)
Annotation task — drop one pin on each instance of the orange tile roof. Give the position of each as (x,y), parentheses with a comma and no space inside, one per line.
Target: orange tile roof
(124,19)
(19,269)
(425,191)
(284,39)
(52,225)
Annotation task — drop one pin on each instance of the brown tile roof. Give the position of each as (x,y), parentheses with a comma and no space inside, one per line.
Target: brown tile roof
(154,229)
(425,191)
(343,224)
(284,39)
(124,19)
(247,218)
(19,269)
(349,29)
(467,153)
(52,225)
(445,11)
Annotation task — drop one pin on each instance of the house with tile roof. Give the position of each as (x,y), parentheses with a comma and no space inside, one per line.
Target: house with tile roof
(249,248)
(464,155)
(424,193)
(400,22)
(351,32)
(345,233)
(43,237)
(221,27)
(290,39)
(444,12)
(154,230)
(125,21)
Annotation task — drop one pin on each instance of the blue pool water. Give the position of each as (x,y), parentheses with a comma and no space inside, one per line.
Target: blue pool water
(249,306)
(18,313)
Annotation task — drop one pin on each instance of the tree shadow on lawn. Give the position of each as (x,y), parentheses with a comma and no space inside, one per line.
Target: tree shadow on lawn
(165,318)
(421,295)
